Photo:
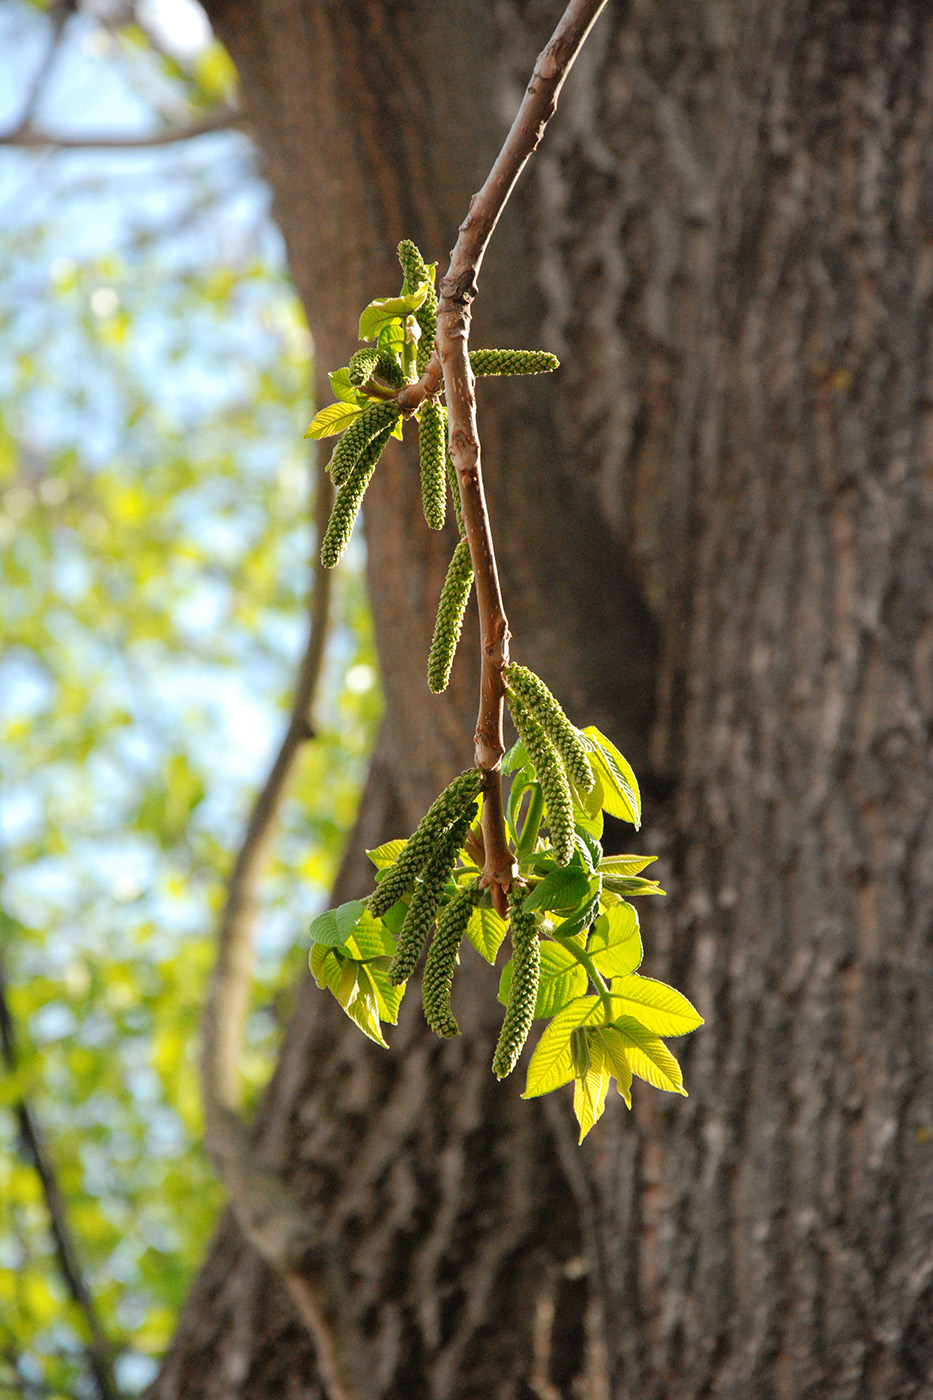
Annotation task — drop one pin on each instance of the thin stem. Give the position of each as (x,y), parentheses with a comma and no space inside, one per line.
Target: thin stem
(457,292)
(532,825)
(596,977)
(97,1349)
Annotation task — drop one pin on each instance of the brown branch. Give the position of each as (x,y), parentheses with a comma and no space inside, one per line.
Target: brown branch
(33,138)
(458,290)
(97,1349)
(267,1213)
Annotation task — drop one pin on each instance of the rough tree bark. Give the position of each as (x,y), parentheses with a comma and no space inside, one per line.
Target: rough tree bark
(715,538)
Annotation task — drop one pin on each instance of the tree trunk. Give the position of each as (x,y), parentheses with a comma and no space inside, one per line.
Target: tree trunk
(716,543)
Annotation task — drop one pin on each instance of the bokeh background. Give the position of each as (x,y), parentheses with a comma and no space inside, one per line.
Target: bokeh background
(155,538)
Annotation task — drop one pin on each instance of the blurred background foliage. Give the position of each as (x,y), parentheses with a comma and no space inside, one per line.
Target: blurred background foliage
(154,547)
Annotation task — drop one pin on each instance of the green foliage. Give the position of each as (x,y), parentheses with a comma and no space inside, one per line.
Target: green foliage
(576,943)
(575,939)
(154,539)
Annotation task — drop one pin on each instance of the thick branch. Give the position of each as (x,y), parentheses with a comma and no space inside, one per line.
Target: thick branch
(453,332)
(97,1348)
(270,1218)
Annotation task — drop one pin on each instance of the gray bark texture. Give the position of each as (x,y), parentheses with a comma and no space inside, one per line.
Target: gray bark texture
(716,543)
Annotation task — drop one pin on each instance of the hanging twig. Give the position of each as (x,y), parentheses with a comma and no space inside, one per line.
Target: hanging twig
(97,1348)
(458,290)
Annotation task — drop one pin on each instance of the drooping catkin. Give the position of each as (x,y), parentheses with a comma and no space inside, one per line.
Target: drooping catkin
(532,691)
(512,362)
(552,777)
(456,801)
(431,447)
(374,418)
(451,607)
(348,500)
(424,901)
(362,364)
(369,361)
(523,992)
(442,959)
(417,275)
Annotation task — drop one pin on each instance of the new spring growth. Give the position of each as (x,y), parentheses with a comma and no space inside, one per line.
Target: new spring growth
(450,613)
(523,991)
(442,959)
(565,737)
(456,801)
(372,421)
(424,901)
(551,775)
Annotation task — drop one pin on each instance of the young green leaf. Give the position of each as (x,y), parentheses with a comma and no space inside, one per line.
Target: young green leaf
(615,943)
(379,313)
(618,1065)
(658,1007)
(333,419)
(649,1057)
(334,926)
(486,931)
(561,890)
(624,865)
(620,796)
(343,388)
(386,854)
(551,1065)
(590,1088)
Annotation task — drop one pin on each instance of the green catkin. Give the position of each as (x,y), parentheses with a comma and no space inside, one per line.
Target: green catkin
(523,992)
(441,961)
(431,448)
(450,610)
(552,777)
(348,500)
(424,901)
(512,362)
(369,361)
(416,275)
(532,691)
(374,418)
(362,365)
(455,802)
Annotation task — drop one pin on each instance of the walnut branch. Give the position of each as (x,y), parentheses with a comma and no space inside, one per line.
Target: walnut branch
(457,292)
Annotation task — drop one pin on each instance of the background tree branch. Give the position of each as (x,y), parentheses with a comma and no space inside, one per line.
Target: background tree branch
(97,1347)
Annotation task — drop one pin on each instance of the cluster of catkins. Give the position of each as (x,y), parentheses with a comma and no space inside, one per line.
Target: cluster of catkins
(556,750)
(429,858)
(381,372)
